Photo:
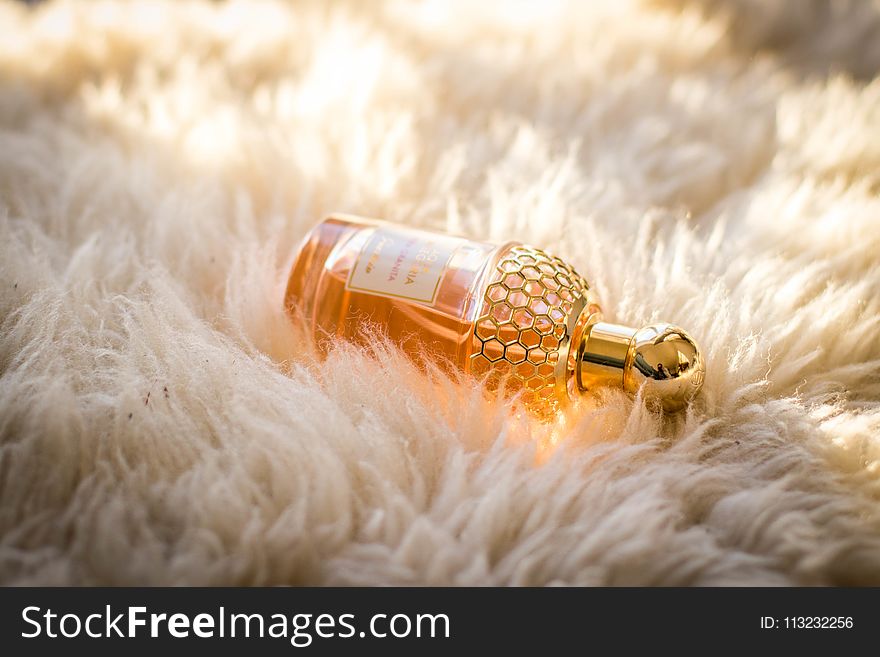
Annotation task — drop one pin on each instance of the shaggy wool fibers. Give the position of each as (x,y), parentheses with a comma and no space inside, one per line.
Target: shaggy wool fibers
(713,164)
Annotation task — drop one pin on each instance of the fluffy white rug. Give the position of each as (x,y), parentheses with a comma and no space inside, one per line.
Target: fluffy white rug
(712,164)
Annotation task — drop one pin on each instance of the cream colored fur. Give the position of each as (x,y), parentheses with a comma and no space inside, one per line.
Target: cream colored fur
(712,164)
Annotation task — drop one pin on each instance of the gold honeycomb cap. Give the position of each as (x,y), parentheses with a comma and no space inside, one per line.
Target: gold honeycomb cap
(661,360)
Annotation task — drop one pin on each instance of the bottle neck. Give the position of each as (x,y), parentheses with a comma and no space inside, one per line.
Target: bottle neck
(604,355)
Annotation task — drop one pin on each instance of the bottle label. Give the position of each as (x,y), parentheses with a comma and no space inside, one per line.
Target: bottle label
(403,264)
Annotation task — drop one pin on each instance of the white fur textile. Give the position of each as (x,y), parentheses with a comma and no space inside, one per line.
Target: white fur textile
(713,164)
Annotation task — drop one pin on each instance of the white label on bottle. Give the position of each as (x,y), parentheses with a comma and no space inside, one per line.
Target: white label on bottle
(403,264)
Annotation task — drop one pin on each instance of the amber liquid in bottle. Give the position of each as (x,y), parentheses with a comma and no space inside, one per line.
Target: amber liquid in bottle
(434,323)
(509,312)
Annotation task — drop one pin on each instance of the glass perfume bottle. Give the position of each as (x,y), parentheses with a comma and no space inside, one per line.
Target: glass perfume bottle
(511,313)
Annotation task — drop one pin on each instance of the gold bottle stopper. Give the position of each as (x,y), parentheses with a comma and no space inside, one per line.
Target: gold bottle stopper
(661,360)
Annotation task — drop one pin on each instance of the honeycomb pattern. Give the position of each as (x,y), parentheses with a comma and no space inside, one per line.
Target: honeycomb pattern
(522,325)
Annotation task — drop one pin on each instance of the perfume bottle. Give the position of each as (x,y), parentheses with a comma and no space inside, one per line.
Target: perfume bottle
(518,317)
